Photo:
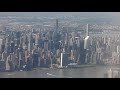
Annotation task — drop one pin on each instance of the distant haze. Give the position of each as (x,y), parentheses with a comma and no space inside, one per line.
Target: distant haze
(110,14)
(113,16)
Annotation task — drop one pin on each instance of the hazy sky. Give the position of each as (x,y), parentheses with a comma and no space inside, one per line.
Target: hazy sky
(111,14)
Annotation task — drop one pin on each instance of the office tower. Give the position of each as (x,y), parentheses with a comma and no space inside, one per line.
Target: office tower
(46,44)
(118,54)
(86,40)
(73,36)
(21,48)
(26,55)
(18,34)
(2,65)
(8,39)
(109,41)
(60,45)
(51,45)
(39,56)
(86,43)
(76,48)
(87,30)
(21,59)
(56,36)
(118,59)
(24,39)
(4,55)
(8,49)
(2,60)
(11,63)
(30,45)
(12,36)
(16,47)
(94,58)
(12,46)
(13,59)
(42,59)
(77,41)
(24,47)
(29,63)
(42,41)
(21,41)
(35,59)
(16,62)
(33,40)
(16,42)
(91,58)
(71,56)
(84,46)
(7,64)
(114,56)
(48,60)
(33,30)
(64,58)
(70,43)
(61,60)
(2,46)
(56,24)
(37,39)
(66,39)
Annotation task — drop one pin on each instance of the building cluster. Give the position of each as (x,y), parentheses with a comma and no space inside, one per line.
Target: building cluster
(107,49)
(24,50)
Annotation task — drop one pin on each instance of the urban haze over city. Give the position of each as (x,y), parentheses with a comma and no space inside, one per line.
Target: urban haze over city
(59,44)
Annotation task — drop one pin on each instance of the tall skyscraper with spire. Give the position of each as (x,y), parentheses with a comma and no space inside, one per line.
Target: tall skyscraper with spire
(56,24)
(87,32)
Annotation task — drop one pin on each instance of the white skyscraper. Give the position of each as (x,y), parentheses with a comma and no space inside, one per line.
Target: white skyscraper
(86,40)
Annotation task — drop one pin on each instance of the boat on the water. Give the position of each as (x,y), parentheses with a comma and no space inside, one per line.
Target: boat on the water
(74,65)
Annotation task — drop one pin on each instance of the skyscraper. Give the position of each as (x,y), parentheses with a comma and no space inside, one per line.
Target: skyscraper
(30,45)
(12,46)
(86,40)
(2,45)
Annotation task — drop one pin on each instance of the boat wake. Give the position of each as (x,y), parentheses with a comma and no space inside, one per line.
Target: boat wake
(51,74)
(56,75)
(12,74)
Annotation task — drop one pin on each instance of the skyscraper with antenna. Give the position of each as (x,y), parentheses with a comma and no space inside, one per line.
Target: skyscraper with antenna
(56,35)
(56,24)
(55,30)
(87,32)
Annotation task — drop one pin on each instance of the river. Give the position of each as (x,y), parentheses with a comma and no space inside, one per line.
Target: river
(88,72)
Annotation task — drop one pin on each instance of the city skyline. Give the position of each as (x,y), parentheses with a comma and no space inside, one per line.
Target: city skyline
(59,43)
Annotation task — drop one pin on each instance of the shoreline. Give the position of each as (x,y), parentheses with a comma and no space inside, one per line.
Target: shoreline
(80,66)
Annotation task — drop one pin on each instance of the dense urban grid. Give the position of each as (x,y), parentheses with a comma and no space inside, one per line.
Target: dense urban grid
(27,46)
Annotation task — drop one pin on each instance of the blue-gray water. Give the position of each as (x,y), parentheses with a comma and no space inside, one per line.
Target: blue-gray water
(89,72)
